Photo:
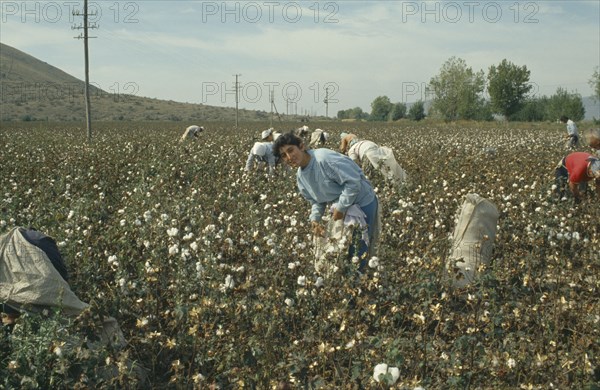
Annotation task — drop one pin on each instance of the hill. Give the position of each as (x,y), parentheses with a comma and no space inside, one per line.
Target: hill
(31,89)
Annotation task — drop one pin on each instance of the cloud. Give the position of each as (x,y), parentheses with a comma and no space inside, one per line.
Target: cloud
(359,49)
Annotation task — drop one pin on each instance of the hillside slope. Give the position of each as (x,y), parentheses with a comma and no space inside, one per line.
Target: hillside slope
(31,89)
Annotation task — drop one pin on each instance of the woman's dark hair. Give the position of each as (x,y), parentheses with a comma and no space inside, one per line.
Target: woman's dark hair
(286,139)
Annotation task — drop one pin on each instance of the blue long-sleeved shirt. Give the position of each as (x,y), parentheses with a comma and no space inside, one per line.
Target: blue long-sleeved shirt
(332,177)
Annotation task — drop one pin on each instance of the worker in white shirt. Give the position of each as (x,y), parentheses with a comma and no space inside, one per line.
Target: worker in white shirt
(191,132)
(381,158)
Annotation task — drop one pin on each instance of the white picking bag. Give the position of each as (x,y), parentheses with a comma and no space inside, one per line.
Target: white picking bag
(28,279)
(383,158)
(472,240)
(337,240)
(29,282)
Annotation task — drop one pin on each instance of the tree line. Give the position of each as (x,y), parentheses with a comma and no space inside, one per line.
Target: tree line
(457,93)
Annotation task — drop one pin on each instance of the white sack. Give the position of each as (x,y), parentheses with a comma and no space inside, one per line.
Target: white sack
(29,281)
(472,240)
(383,158)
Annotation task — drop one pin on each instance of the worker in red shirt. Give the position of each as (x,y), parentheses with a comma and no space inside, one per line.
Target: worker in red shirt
(575,169)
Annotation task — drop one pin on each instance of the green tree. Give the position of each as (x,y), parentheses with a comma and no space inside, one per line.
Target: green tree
(565,103)
(508,86)
(358,113)
(595,83)
(457,90)
(380,109)
(352,113)
(398,111)
(533,110)
(342,114)
(417,111)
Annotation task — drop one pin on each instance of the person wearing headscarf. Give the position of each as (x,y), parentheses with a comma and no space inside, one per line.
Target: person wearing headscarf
(191,132)
(261,154)
(347,140)
(381,158)
(318,138)
(576,169)
(269,135)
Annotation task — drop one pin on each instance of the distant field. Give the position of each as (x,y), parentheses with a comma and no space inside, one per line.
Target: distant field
(532,323)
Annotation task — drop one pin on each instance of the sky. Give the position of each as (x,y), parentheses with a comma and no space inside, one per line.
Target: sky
(292,56)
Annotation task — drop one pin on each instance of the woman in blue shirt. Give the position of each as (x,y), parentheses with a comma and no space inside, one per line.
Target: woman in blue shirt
(326,177)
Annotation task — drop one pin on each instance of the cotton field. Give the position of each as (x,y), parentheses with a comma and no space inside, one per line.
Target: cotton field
(209,270)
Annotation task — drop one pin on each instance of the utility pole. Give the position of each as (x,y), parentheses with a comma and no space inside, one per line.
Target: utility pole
(326,101)
(237,100)
(85,37)
(272,98)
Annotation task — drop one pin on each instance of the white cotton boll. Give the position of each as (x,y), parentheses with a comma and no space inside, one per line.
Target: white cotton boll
(188,236)
(511,363)
(319,282)
(380,369)
(355,259)
(194,246)
(229,282)
(172,232)
(173,249)
(291,265)
(289,302)
(301,280)
(374,262)
(395,372)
